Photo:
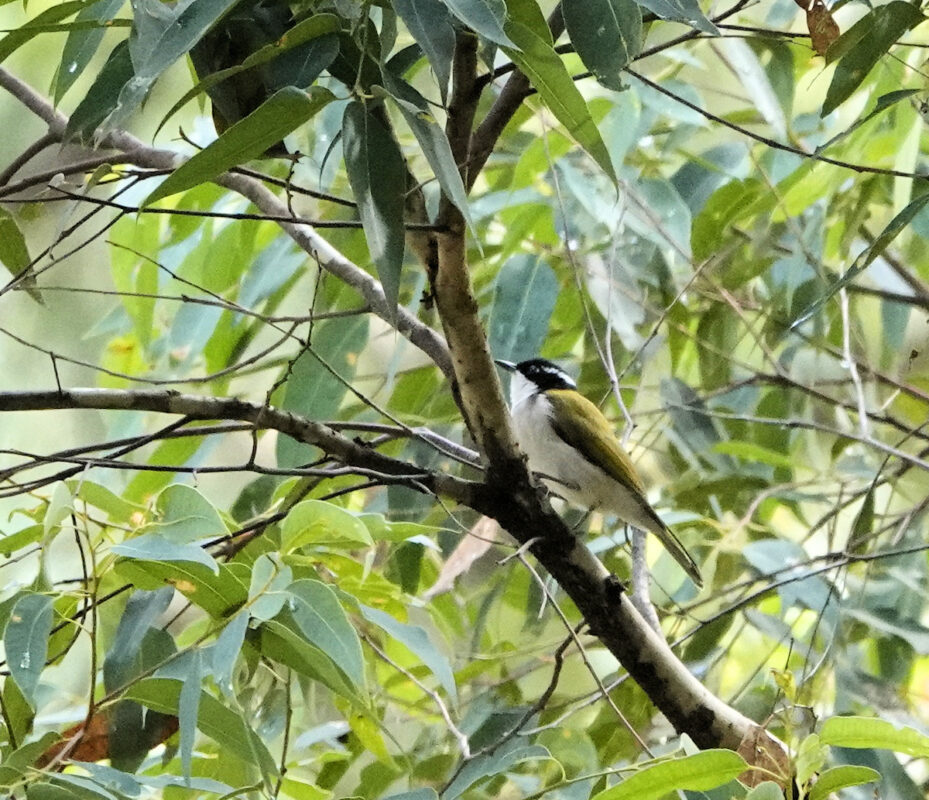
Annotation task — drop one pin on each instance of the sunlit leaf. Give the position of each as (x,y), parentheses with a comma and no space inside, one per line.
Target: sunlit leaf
(698,772)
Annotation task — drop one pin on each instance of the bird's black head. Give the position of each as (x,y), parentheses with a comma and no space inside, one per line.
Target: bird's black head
(545,374)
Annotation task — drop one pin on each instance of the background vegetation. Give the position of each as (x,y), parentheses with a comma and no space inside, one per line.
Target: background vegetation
(714,216)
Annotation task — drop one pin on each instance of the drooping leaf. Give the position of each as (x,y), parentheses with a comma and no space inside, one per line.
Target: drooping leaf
(323,622)
(13,251)
(283,112)
(103,96)
(430,24)
(25,641)
(417,641)
(226,651)
(432,140)
(524,297)
(486,17)
(223,725)
(160,36)
(862,45)
(607,35)
(537,59)
(82,43)
(377,175)
(311,390)
(188,707)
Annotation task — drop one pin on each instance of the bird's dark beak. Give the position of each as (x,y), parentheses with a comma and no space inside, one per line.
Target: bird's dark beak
(507,365)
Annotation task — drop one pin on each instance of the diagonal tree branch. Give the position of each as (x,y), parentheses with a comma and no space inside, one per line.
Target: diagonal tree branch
(133,151)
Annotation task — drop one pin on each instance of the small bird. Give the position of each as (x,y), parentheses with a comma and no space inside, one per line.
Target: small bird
(572,446)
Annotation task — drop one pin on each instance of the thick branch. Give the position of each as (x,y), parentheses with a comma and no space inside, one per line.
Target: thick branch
(342,449)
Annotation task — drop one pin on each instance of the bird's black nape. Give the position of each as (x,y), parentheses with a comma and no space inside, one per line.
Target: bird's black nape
(545,374)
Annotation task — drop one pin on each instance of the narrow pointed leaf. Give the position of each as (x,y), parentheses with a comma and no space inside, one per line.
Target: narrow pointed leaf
(377,174)
(10,43)
(430,24)
(283,112)
(863,45)
(82,43)
(433,141)
(537,58)
(869,732)
(323,622)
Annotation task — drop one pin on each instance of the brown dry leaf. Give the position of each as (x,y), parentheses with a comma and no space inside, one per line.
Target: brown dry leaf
(92,742)
(760,749)
(484,533)
(823,28)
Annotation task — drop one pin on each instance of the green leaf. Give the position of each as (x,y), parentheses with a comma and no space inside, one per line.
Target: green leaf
(116,508)
(417,641)
(25,641)
(103,96)
(811,755)
(225,727)
(686,11)
(767,790)
(283,641)
(751,452)
(13,251)
(10,43)
(832,780)
(184,516)
(377,174)
(323,622)
(862,46)
(188,707)
(486,17)
(432,140)
(698,773)
(537,59)
(863,261)
(16,541)
(607,35)
(82,43)
(312,390)
(217,593)
(524,297)
(152,547)
(283,112)
(142,611)
(160,36)
(16,764)
(430,24)
(267,593)
(316,28)
(226,651)
(868,732)
(316,522)
(493,764)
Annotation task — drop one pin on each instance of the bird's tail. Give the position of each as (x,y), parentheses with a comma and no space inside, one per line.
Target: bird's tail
(673,545)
